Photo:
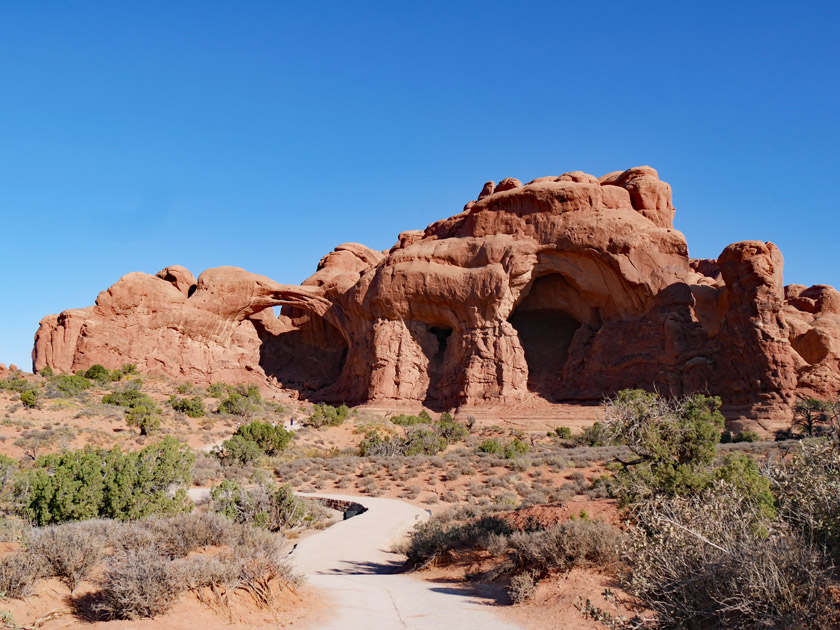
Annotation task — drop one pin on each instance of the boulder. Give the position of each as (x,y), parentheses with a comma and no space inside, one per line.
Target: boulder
(179,277)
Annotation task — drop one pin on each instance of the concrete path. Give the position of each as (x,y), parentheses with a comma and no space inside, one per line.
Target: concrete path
(351,564)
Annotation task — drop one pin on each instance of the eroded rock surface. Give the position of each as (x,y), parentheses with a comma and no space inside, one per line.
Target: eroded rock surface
(565,288)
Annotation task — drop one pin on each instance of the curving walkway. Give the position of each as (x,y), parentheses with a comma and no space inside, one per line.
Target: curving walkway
(350,563)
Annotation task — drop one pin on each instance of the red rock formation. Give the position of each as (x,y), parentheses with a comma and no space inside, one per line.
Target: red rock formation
(566,288)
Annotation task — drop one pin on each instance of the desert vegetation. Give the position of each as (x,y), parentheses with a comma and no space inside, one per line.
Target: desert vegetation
(142,567)
(118,521)
(645,496)
(703,538)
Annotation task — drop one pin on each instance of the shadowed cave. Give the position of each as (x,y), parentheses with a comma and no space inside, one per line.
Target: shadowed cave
(545,329)
(434,340)
(307,359)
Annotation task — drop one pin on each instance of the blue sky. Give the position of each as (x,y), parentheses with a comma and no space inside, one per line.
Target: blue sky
(262,135)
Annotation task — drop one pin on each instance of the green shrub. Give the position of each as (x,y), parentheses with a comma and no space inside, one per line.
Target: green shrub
(69,385)
(127,369)
(564,433)
(421,441)
(595,435)
(241,402)
(406,420)
(450,430)
(143,412)
(673,442)
(144,418)
(63,487)
(102,375)
(150,481)
(15,383)
(515,448)
(508,450)
(417,441)
(253,440)
(493,446)
(128,397)
(742,473)
(746,436)
(271,438)
(29,398)
(46,371)
(239,450)
(326,415)
(216,390)
(91,483)
(97,373)
(192,407)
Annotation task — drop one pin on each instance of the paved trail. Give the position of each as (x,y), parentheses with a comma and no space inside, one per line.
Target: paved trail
(352,566)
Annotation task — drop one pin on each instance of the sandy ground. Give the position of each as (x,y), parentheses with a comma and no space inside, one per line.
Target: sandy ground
(531,414)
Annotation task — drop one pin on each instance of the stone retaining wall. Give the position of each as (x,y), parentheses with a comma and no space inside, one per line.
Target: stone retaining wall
(349,508)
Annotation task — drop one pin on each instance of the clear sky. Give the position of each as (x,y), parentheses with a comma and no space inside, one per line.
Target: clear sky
(262,134)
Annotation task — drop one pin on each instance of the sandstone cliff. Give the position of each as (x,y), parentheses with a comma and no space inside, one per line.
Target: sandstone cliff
(565,288)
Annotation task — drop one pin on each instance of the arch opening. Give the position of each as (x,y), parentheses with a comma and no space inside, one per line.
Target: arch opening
(546,326)
(302,351)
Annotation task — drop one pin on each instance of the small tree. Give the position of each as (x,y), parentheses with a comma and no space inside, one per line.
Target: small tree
(673,441)
(29,398)
(450,430)
(143,417)
(65,487)
(809,414)
(238,450)
(150,481)
(327,415)
(239,404)
(142,413)
(270,438)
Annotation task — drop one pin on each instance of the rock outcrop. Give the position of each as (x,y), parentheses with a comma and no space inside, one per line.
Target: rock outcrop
(566,288)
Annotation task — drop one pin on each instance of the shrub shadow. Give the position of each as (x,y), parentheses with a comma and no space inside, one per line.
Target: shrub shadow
(366,568)
(84,607)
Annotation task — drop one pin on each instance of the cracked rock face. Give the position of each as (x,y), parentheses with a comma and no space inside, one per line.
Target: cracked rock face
(565,288)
